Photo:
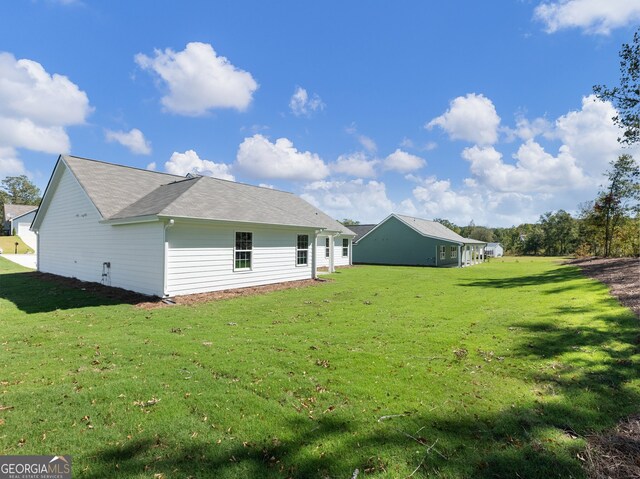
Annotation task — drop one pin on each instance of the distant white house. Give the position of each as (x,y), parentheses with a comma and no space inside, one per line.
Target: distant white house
(167,235)
(18,218)
(494,250)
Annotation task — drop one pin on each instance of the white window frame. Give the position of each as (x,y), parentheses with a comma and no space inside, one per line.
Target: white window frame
(236,251)
(443,252)
(299,250)
(453,252)
(327,247)
(345,249)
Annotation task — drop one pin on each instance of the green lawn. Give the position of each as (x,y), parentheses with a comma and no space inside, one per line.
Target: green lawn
(498,370)
(8,245)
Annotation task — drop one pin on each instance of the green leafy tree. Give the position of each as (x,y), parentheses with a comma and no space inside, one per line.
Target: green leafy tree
(626,97)
(18,190)
(448,224)
(620,199)
(349,222)
(559,233)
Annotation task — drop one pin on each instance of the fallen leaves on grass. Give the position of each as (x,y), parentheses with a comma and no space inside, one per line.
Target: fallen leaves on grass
(151,402)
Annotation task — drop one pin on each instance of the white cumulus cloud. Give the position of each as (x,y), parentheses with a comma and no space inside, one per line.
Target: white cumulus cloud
(134,140)
(35,106)
(364,201)
(10,164)
(592,16)
(198,80)
(260,158)
(355,164)
(535,169)
(403,162)
(189,162)
(471,118)
(301,104)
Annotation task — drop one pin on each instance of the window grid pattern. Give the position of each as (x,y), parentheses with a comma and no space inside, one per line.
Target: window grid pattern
(443,252)
(243,250)
(345,247)
(454,251)
(302,250)
(326,247)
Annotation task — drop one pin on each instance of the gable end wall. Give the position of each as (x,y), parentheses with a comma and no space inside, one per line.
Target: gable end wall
(73,243)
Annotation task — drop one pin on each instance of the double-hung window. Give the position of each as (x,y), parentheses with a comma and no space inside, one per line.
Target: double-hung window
(345,247)
(454,251)
(326,247)
(302,250)
(443,252)
(243,250)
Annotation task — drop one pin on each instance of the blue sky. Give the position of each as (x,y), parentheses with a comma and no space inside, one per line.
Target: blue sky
(462,110)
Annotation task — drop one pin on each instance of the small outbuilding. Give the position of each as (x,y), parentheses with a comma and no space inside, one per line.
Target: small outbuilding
(405,240)
(167,235)
(494,250)
(17,219)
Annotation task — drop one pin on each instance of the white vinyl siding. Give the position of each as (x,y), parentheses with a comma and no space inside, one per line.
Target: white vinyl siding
(201,257)
(338,259)
(74,244)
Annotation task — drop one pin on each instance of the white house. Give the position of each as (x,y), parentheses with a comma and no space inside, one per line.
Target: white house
(494,250)
(18,218)
(168,235)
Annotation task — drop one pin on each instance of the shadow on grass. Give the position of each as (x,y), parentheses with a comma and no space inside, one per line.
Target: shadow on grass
(538,438)
(35,292)
(559,276)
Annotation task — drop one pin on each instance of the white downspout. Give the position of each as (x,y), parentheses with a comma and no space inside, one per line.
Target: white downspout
(165,261)
(332,266)
(37,232)
(314,259)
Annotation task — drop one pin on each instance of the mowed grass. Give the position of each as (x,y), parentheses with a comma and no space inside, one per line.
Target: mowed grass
(498,370)
(8,245)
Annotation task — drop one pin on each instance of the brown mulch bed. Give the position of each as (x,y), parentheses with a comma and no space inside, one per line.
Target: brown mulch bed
(615,454)
(622,275)
(151,302)
(190,299)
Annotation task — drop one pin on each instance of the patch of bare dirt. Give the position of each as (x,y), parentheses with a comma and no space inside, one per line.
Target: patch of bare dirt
(622,275)
(615,455)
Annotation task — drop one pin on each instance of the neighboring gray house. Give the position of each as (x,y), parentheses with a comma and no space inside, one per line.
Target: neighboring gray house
(168,235)
(18,218)
(494,250)
(360,231)
(405,240)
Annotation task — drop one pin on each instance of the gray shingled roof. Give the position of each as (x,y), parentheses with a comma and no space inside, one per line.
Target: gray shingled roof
(360,230)
(121,192)
(13,211)
(436,230)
